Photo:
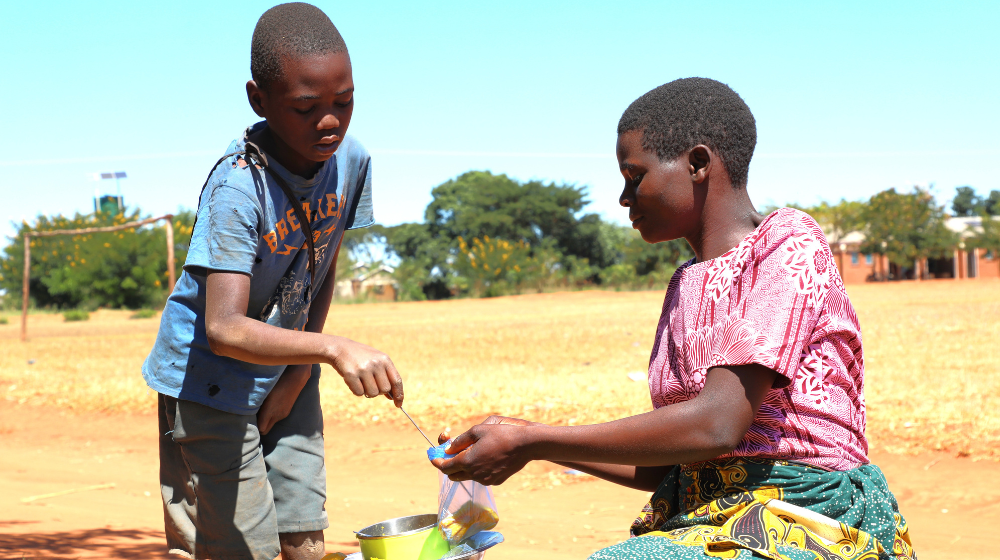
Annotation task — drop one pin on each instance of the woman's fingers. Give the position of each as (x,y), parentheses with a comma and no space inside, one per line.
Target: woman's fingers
(461,443)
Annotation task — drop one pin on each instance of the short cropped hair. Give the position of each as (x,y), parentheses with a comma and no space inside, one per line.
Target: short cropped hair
(679,115)
(293,29)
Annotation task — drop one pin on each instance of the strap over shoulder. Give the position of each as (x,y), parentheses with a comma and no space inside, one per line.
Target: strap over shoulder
(258,157)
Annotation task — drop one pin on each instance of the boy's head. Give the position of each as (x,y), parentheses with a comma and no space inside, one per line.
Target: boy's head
(679,115)
(302,83)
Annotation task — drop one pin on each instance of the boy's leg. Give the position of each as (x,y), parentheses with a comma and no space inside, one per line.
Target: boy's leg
(216,499)
(293,452)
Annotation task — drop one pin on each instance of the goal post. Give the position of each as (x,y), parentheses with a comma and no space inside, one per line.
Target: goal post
(52,233)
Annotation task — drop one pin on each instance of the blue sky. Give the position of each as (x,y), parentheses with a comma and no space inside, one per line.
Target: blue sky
(850,97)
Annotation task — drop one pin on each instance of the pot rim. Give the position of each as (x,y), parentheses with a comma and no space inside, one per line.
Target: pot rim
(363,536)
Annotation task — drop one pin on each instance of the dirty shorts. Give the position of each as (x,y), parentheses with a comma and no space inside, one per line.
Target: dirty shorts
(227,490)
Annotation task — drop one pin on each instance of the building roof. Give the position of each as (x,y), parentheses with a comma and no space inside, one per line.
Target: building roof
(964,226)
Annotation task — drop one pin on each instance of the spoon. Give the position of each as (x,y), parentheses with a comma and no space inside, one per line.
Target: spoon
(462,484)
(408,417)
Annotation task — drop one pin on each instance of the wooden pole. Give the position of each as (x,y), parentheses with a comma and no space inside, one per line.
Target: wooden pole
(96,229)
(24,288)
(52,233)
(170,252)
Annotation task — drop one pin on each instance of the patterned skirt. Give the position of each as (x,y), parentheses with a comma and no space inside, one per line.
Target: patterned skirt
(756,508)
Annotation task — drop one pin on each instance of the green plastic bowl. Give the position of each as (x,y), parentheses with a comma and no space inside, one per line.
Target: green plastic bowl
(414,537)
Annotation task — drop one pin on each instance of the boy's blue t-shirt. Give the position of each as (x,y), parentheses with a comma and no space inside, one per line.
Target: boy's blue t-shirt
(247,225)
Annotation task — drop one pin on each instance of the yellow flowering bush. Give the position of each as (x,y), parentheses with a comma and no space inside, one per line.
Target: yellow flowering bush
(125,268)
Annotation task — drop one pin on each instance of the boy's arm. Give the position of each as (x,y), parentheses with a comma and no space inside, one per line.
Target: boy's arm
(279,402)
(365,370)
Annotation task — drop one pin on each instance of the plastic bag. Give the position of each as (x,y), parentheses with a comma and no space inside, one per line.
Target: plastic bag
(464,508)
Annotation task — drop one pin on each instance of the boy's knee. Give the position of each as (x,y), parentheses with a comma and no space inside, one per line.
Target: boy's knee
(307,545)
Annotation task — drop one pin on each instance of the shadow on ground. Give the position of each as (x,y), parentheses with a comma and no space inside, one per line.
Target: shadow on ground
(89,543)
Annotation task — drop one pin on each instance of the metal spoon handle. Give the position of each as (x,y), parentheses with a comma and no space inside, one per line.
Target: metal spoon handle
(462,484)
(417,427)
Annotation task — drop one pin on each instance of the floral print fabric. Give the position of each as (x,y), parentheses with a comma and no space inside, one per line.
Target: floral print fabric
(756,508)
(777,300)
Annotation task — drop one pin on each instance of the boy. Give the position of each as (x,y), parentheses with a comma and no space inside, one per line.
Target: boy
(236,359)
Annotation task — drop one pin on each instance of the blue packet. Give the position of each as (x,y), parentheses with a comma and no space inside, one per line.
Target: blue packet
(438,452)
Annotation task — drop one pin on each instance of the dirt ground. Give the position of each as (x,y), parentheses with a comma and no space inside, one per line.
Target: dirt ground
(379,472)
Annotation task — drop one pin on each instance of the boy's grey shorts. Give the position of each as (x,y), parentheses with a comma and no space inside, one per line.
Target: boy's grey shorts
(227,490)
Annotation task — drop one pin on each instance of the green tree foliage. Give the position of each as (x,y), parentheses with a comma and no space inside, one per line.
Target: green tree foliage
(987,236)
(495,267)
(991,204)
(906,227)
(838,219)
(119,269)
(540,228)
(968,203)
(479,203)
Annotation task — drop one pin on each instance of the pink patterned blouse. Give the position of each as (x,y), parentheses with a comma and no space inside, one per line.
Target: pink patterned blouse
(777,300)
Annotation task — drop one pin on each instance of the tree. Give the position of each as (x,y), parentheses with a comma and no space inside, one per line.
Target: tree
(114,269)
(966,202)
(840,219)
(907,227)
(479,203)
(987,236)
(991,204)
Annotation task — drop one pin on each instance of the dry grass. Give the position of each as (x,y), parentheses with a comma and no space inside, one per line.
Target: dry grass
(933,370)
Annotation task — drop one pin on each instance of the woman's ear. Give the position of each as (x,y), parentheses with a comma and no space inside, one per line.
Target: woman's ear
(700,162)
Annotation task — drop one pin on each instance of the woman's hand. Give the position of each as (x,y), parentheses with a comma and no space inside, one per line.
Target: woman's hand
(445,436)
(488,453)
(279,402)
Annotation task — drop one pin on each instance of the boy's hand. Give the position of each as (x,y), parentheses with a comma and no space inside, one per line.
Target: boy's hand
(279,401)
(366,371)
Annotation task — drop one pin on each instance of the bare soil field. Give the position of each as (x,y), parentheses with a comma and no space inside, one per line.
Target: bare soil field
(380,471)
(75,413)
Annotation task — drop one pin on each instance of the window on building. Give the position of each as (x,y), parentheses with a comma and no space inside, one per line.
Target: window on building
(854,258)
(989,255)
(869,259)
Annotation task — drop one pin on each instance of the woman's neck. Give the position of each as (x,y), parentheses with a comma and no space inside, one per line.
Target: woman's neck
(725,222)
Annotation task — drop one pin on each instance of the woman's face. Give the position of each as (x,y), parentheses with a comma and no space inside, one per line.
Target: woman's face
(661,198)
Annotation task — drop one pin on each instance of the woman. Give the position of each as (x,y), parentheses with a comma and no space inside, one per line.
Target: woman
(756,445)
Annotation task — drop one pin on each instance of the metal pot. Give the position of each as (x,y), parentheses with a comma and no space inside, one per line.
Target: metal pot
(414,537)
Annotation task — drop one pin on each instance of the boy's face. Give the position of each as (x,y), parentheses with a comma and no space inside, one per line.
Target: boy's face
(308,109)
(661,198)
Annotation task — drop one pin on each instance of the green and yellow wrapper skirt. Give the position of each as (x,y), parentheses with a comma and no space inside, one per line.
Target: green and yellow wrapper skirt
(757,508)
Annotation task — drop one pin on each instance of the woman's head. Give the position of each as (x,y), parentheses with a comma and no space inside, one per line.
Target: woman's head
(670,141)
(679,115)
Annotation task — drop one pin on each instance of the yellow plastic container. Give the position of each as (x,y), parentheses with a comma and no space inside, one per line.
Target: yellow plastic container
(414,537)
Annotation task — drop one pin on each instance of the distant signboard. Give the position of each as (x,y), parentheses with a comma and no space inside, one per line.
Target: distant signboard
(109,204)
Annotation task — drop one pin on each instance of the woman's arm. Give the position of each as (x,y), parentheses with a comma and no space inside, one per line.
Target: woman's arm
(629,476)
(639,478)
(705,427)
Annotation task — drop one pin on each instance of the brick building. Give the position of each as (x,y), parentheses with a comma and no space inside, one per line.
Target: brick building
(368,281)
(966,262)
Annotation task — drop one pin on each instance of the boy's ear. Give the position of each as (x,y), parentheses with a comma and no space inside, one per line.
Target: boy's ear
(700,162)
(255,95)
